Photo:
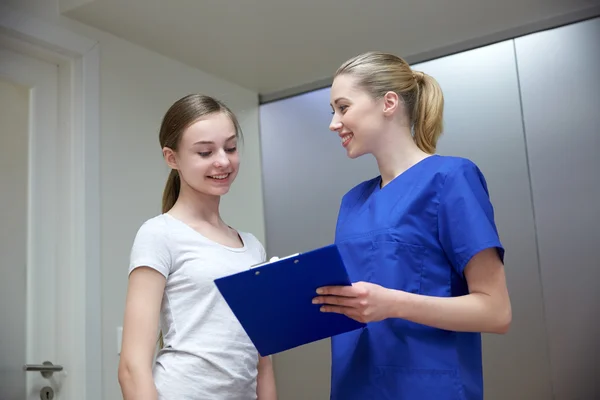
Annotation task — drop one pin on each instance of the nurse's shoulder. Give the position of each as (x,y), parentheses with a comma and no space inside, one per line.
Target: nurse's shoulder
(452,164)
(458,170)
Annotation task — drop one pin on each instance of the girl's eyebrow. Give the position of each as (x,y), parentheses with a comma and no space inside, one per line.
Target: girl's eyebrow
(211,142)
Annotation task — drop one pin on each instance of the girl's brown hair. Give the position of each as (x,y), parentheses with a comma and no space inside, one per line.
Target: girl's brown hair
(183,113)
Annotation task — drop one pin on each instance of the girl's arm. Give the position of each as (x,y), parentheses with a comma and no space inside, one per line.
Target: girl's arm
(265,388)
(144,296)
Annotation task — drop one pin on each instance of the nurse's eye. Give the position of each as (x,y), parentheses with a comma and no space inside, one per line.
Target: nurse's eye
(341,108)
(231,150)
(205,154)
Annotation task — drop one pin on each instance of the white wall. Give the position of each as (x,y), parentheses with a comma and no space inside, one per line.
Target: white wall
(137,86)
(14,125)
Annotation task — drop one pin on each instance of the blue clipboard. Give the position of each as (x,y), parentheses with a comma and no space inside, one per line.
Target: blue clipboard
(273,301)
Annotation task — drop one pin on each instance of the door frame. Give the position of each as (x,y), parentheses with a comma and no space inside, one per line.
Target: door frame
(78,61)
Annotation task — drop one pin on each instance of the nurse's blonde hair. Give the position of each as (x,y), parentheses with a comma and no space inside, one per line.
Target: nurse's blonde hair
(379,73)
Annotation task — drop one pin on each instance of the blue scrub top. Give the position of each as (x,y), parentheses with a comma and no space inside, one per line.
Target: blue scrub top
(416,234)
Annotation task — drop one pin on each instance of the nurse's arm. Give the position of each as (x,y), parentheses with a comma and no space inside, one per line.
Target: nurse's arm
(486,308)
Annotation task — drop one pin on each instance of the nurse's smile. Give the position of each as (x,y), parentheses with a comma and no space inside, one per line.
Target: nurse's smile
(346,138)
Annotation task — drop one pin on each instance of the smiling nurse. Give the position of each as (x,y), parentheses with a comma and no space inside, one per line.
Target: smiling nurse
(419,241)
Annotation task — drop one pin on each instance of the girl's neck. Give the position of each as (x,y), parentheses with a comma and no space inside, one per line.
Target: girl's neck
(192,206)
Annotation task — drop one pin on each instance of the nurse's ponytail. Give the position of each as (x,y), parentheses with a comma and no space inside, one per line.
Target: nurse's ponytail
(379,73)
(428,112)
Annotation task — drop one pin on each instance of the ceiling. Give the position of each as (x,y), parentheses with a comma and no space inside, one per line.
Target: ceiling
(274,46)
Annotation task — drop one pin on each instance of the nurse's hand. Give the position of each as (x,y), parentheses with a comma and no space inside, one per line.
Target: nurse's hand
(363,301)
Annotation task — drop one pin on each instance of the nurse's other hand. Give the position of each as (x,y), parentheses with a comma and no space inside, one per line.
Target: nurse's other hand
(363,301)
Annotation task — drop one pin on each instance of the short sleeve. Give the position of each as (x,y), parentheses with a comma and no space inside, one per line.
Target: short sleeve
(263,253)
(150,248)
(255,245)
(466,223)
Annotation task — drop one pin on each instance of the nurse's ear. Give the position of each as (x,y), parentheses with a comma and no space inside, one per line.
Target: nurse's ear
(391,104)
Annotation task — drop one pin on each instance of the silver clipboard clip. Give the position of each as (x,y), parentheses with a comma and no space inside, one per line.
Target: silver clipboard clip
(273,259)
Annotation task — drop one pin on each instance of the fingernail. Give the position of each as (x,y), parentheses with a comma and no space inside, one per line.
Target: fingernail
(319,291)
(315,301)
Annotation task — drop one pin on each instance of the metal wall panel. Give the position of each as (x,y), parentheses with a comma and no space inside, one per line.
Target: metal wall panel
(560,82)
(484,123)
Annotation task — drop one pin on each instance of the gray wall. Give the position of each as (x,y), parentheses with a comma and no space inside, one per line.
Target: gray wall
(519,109)
(305,174)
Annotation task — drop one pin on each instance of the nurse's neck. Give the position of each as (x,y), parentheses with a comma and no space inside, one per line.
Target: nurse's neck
(397,153)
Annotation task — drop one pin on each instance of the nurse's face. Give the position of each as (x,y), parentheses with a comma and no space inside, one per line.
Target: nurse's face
(357,117)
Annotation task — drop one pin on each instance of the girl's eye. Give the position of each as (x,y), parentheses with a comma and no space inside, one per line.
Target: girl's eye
(208,153)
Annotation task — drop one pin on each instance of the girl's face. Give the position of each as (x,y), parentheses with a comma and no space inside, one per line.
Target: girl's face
(207,159)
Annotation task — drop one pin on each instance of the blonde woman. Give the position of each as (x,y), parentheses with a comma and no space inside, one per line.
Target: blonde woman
(420,243)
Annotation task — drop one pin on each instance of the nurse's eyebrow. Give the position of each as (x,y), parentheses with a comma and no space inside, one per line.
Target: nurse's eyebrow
(338,99)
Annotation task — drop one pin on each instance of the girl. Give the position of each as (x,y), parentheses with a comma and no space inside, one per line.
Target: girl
(419,240)
(176,256)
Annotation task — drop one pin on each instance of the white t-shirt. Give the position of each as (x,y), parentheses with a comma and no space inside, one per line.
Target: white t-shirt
(207,353)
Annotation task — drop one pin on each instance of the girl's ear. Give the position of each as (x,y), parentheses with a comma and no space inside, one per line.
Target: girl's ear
(170,158)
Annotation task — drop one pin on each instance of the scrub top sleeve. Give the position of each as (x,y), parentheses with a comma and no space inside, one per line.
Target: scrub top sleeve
(466,216)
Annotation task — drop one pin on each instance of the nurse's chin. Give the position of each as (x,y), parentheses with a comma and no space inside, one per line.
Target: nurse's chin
(354,155)
(354,152)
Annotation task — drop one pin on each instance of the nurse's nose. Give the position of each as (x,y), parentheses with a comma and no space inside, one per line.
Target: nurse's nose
(335,124)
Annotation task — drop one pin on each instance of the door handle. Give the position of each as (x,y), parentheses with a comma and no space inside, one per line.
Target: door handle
(46,368)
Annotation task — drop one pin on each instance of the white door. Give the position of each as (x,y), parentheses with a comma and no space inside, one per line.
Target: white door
(30,236)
